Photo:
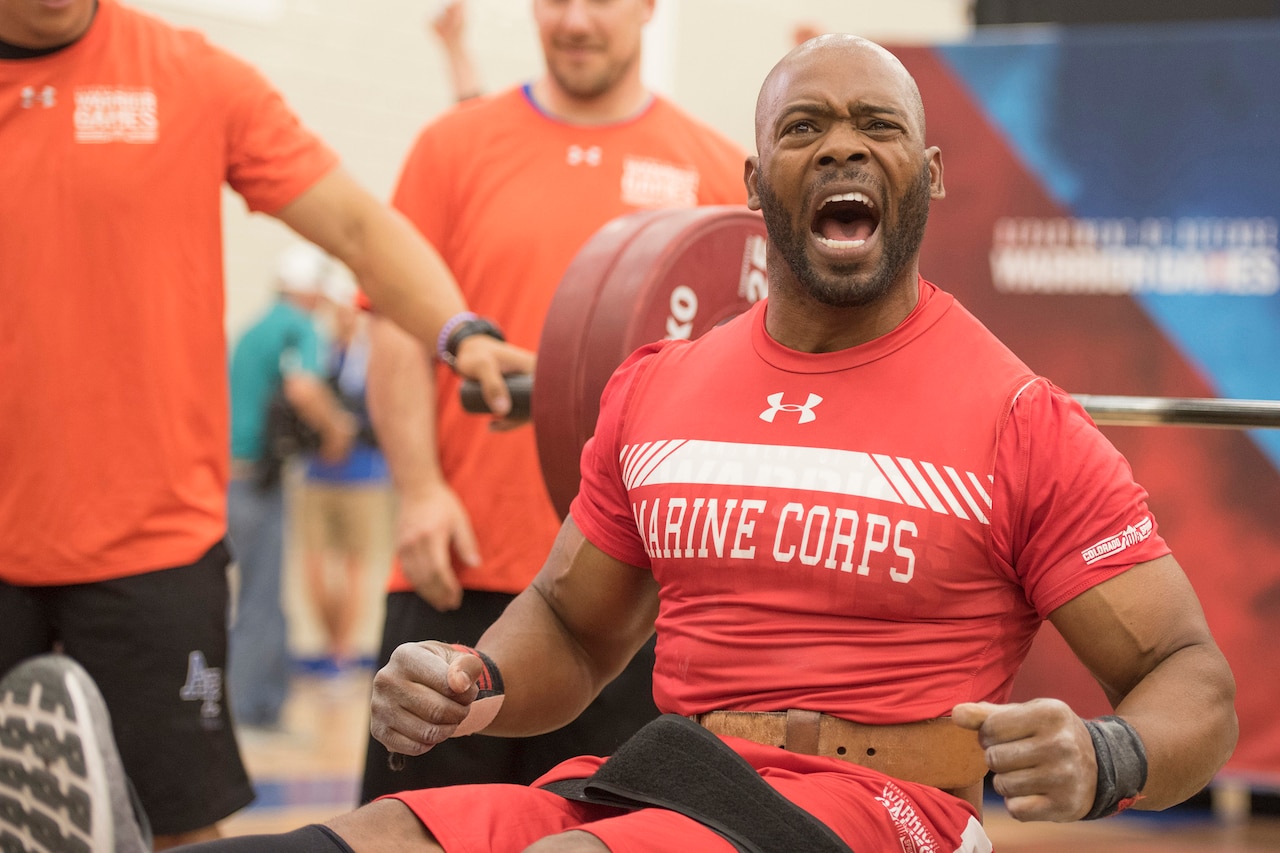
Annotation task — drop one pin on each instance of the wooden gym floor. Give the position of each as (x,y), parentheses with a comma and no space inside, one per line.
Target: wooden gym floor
(310,772)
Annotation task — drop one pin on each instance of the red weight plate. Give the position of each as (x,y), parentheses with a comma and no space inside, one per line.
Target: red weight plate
(643,277)
(561,354)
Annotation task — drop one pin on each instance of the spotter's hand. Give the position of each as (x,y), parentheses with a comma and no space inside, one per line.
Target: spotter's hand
(486,360)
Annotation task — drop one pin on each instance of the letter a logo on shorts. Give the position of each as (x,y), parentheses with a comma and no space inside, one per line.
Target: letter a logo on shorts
(204,685)
(776,405)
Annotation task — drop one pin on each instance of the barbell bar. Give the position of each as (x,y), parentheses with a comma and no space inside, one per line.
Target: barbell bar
(1181,411)
(1106,410)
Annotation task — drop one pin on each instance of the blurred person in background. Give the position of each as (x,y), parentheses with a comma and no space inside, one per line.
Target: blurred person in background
(281,404)
(343,506)
(509,186)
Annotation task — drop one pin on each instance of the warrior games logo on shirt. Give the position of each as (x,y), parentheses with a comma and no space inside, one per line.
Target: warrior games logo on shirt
(653,183)
(113,114)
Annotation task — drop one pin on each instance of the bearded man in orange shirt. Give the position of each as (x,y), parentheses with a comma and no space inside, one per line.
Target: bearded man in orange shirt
(509,187)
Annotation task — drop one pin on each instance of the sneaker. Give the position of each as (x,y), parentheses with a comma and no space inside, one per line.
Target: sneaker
(62,787)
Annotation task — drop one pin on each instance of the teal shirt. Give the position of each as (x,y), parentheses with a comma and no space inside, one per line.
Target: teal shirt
(283,341)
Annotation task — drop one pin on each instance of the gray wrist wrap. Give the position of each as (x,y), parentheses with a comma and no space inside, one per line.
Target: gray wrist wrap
(1122,765)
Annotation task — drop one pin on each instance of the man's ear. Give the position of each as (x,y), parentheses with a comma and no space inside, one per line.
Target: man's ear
(936,189)
(750,176)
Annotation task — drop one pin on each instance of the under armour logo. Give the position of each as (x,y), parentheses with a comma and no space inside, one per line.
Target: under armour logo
(204,685)
(578,155)
(776,405)
(45,97)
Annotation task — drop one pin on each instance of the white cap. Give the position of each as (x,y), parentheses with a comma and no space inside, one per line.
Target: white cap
(303,268)
(339,285)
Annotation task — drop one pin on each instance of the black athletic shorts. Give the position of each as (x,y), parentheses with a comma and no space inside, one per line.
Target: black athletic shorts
(156,644)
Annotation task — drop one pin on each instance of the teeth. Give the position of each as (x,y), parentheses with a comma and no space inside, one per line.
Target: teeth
(841,244)
(859,197)
(855,196)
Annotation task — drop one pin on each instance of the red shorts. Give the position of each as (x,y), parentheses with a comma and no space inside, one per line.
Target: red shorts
(865,808)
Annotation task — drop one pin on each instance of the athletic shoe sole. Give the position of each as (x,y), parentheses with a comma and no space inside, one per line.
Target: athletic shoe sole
(62,787)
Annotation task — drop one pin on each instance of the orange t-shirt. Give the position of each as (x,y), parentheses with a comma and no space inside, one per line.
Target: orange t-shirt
(113,453)
(508,195)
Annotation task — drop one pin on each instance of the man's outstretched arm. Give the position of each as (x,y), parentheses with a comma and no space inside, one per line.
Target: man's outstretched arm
(402,274)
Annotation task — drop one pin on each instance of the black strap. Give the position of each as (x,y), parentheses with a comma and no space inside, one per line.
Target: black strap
(674,763)
(1122,765)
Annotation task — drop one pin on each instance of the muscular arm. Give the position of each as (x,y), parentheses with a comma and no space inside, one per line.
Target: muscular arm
(583,617)
(562,639)
(402,274)
(1143,636)
(400,392)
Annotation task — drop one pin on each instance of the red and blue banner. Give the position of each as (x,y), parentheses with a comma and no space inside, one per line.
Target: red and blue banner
(1112,213)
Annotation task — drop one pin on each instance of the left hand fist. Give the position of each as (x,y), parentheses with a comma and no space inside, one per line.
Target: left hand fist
(1041,755)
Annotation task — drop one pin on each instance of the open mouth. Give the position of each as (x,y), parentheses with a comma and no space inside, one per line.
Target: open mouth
(845,221)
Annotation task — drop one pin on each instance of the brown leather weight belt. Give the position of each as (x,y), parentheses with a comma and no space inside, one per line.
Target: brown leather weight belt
(932,752)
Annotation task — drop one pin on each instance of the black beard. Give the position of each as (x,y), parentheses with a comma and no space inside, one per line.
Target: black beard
(901,242)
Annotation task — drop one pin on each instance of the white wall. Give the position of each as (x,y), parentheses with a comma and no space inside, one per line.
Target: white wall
(726,47)
(366,74)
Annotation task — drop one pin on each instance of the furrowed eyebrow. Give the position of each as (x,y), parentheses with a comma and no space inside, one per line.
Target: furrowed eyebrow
(806,108)
(875,110)
(856,109)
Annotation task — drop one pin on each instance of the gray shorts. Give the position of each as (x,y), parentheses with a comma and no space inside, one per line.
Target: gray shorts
(156,644)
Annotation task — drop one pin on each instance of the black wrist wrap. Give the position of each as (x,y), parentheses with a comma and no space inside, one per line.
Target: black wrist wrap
(490,681)
(1122,765)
